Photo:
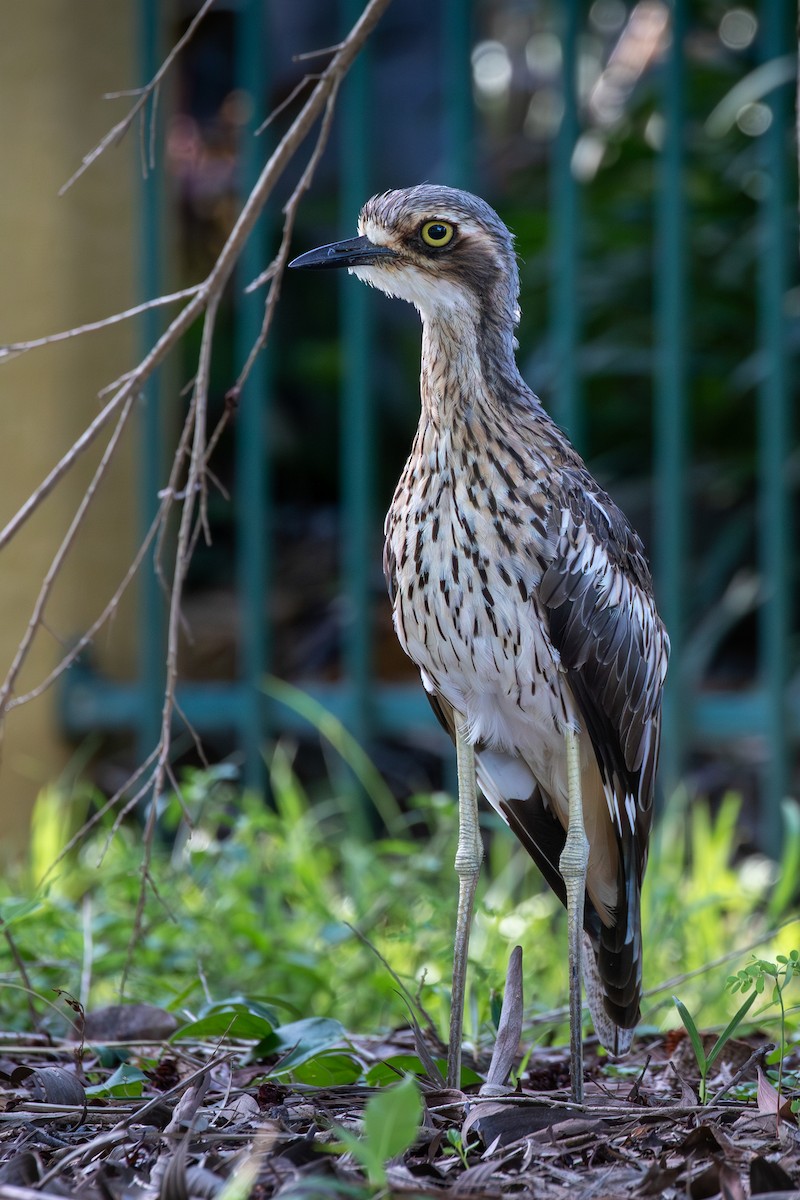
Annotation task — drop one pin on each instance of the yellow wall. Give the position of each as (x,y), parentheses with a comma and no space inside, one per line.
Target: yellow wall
(62,262)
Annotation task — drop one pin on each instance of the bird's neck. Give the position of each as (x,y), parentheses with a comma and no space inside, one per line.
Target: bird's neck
(468,366)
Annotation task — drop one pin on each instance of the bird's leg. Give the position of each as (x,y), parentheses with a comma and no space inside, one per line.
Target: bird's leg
(573,864)
(469,856)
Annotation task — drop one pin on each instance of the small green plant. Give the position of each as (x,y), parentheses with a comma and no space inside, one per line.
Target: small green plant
(456,1143)
(391,1123)
(706,1061)
(755,975)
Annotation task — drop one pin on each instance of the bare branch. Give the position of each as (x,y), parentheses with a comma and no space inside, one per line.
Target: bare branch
(61,468)
(200,404)
(317,53)
(295,92)
(97,817)
(119,130)
(190,465)
(221,271)
(15,349)
(58,559)
(278,264)
(86,639)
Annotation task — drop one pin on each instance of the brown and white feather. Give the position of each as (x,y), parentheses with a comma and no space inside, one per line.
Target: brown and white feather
(519,589)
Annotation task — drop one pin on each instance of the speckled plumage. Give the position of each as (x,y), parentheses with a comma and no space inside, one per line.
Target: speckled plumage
(519,589)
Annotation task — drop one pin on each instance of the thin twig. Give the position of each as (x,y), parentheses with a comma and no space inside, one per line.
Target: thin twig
(200,402)
(97,817)
(317,53)
(59,557)
(279,108)
(278,264)
(77,649)
(19,963)
(173,491)
(119,130)
(15,349)
(755,1059)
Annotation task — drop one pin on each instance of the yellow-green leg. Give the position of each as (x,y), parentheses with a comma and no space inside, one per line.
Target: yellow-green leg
(469,856)
(573,865)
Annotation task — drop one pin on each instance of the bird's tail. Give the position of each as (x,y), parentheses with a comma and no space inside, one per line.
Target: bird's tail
(616,1040)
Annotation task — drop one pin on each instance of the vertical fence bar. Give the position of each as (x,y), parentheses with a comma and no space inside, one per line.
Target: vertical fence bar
(254,527)
(671,322)
(564,222)
(150,613)
(357,426)
(773,428)
(457,84)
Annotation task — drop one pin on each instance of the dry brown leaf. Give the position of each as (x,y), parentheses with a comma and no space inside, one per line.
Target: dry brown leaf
(771,1101)
(129,1023)
(505,1123)
(659,1177)
(20,1170)
(53,1085)
(768,1176)
(718,1179)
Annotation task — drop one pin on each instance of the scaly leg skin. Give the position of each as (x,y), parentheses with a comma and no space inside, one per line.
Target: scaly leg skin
(573,864)
(469,856)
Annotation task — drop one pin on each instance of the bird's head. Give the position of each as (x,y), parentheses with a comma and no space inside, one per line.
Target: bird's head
(445,251)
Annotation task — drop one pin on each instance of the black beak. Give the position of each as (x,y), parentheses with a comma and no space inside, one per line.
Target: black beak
(355,252)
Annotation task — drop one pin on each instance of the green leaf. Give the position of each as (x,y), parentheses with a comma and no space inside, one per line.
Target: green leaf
(392,1119)
(363,1153)
(694,1036)
(303,1040)
(245,1020)
(730,1029)
(391,1070)
(126,1081)
(328,1070)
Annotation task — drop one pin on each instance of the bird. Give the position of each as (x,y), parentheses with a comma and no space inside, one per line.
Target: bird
(524,597)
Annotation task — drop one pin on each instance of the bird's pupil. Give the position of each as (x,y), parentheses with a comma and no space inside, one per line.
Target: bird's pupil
(437,232)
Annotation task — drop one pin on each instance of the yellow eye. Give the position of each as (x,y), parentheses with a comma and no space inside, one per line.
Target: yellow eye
(437,233)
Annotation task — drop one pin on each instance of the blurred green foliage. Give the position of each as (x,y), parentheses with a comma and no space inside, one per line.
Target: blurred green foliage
(265,903)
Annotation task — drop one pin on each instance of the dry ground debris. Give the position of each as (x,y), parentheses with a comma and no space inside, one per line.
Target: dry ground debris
(207,1120)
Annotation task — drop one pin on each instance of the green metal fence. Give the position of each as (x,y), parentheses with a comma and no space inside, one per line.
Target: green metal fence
(770,707)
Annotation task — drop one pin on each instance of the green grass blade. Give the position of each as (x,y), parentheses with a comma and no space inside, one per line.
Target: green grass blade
(694,1036)
(345,745)
(730,1029)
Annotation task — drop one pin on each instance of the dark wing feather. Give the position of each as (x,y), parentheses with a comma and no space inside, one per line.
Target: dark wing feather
(597,593)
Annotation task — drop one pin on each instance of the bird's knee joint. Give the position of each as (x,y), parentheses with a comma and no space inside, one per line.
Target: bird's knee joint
(574,857)
(468,862)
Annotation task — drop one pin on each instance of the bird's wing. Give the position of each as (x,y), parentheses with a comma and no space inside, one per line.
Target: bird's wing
(597,593)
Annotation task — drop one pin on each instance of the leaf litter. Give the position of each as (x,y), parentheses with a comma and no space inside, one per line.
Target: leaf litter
(195,1118)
